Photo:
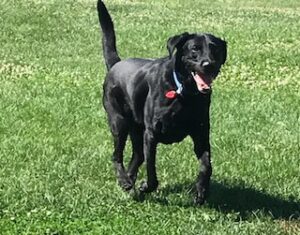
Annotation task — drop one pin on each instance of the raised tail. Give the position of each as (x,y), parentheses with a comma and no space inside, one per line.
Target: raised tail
(108,36)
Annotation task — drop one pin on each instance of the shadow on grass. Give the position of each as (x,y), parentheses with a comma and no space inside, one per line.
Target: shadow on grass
(239,199)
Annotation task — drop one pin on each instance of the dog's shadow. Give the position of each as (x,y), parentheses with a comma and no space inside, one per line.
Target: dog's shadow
(243,200)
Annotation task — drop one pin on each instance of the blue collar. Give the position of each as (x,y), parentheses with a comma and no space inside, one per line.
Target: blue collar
(178,84)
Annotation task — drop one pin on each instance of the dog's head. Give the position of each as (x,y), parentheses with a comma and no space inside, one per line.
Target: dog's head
(198,58)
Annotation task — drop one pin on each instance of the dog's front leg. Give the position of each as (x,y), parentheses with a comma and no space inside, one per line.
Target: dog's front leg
(202,150)
(149,153)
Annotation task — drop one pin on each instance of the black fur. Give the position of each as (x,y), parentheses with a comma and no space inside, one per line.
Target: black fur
(109,39)
(136,105)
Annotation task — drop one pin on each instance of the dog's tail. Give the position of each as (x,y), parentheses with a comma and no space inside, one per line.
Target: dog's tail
(108,36)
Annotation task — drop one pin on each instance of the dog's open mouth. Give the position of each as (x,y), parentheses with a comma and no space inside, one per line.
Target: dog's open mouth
(203,83)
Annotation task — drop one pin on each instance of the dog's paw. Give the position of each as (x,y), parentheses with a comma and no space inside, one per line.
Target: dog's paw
(125,183)
(199,199)
(147,187)
(132,177)
(201,196)
(138,196)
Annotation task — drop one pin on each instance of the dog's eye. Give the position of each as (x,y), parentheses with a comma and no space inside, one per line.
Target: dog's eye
(196,48)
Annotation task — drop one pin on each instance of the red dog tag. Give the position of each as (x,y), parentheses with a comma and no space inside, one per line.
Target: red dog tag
(171,94)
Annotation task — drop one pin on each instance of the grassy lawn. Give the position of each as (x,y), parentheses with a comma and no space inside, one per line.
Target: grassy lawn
(56,175)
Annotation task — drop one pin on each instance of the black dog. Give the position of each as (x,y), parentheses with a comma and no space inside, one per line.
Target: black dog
(160,101)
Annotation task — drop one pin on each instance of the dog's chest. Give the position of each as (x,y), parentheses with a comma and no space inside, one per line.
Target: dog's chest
(174,123)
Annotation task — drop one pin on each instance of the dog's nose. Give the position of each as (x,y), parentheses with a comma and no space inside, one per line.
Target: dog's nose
(205,63)
(207,66)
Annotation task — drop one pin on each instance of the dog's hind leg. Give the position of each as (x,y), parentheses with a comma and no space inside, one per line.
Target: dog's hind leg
(118,121)
(120,138)
(136,135)
(119,130)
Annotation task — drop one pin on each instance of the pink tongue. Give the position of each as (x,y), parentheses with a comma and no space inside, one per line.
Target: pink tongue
(201,83)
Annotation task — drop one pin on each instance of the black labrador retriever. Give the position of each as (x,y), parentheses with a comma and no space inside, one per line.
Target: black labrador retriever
(160,101)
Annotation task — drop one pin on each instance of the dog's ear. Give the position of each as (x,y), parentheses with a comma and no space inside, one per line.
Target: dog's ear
(224,51)
(175,41)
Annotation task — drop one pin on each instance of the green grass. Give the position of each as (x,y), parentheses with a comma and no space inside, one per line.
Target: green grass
(56,176)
